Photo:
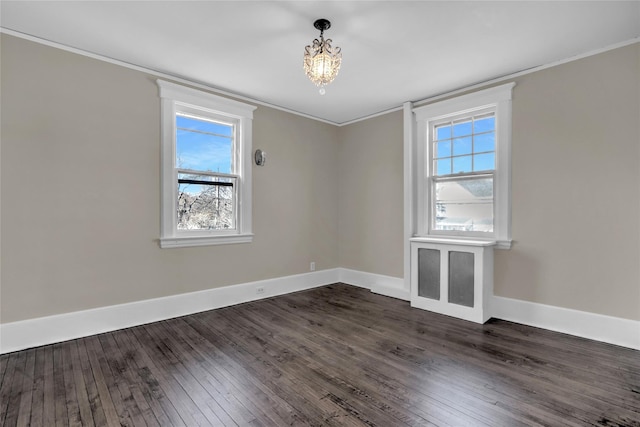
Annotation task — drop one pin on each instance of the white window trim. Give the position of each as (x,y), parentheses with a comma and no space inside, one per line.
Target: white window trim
(173,98)
(497,97)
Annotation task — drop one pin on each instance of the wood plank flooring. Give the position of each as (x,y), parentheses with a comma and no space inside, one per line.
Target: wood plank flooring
(332,356)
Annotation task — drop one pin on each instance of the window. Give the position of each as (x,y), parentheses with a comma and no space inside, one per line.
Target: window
(206,168)
(463,149)
(463,156)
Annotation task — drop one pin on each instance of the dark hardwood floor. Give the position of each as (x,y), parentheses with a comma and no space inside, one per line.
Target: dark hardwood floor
(332,356)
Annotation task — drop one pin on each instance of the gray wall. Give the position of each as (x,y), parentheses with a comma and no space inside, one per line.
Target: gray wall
(371,195)
(80,190)
(576,189)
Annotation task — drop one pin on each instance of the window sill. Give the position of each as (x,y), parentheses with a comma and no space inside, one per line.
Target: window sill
(497,244)
(185,242)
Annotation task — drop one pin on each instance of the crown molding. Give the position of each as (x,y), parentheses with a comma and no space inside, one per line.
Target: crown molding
(526,71)
(159,74)
(220,91)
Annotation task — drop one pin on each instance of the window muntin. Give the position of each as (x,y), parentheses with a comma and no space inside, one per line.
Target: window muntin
(463,153)
(464,145)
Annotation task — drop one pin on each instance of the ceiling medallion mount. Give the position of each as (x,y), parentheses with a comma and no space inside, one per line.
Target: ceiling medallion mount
(322,25)
(321,60)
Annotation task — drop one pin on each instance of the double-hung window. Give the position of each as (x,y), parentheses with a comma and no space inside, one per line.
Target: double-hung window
(206,168)
(463,180)
(463,155)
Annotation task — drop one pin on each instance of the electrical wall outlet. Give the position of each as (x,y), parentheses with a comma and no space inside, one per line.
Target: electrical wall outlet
(312,266)
(260,290)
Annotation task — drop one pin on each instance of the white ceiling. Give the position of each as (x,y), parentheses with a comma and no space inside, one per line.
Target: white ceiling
(393,51)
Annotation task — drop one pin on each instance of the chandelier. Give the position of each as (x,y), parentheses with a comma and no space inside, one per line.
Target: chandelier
(321,60)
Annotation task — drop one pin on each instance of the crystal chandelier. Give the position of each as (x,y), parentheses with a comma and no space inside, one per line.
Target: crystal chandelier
(321,60)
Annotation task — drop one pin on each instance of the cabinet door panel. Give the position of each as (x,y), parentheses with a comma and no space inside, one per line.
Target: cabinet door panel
(461,278)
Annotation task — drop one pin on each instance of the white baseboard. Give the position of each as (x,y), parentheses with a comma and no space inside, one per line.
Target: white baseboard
(52,329)
(377,283)
(612,330)
(24,334)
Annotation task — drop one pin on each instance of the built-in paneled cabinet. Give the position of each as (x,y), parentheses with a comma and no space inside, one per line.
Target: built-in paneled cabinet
(452,277)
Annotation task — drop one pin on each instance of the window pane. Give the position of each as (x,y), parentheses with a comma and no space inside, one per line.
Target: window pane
(205,202)
(462,129)
(484,142)
(191,123)
(462,164)
(443,132)
(443,149)
(464,205)
(462,146)
(443,166)
(200,147)
(484,125)
(483,162)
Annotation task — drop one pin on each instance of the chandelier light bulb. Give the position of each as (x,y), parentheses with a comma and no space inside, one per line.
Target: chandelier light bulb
(321,60)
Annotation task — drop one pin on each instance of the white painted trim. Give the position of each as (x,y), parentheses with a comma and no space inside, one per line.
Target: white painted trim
(199,99)
(180,99)
(297,113)
(608,329)
(158,73)
(525,72)
(497,80)
(497,99)
(480,311)
(52,329)
(452,241)
(379,284)
(465,104)
(191,241)
(409,158)
(503,244)
(62,327)
(371,116)
(598,327)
